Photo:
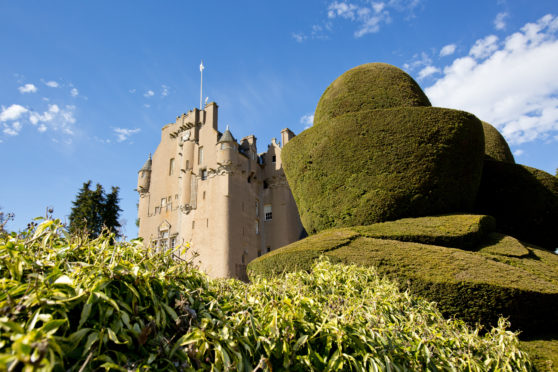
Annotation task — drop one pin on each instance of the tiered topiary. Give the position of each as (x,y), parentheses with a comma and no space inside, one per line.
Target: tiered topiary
(373,155)
(496,276)
(523,200)
(495,145)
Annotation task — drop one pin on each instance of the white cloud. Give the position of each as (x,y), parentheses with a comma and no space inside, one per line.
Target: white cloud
(149,93)
(518,152)
(447,50)
(52,84)
(27,88)
(55,118)
(484,47)
(122,134)
(418,60)
(499,21)
(427,71)
(13,129)
(299,37)
(512,84)
(307,120)
(13,112)
(165,90)
(74,92)
(366,14)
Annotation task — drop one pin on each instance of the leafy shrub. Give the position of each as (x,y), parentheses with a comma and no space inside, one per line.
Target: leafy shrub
(71,304)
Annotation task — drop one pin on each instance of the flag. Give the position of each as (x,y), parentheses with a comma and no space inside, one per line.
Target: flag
(201,66)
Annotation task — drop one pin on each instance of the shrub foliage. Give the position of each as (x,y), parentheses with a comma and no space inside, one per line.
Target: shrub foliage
(70,303)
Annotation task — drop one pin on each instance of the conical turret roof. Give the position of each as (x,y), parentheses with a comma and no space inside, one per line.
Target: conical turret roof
(227,136)
(147,165)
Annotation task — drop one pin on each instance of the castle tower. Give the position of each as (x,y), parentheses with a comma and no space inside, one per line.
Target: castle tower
(203,187)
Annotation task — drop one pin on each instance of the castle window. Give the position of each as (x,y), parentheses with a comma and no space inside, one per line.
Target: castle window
(204,174)
(207,222)
(265,184)
(259,252)
(268,249)
(200,155)
(193,224)
(175,196)
(187,164)
(171,167)
(173,242)
(267,212)
(163,202)
(156,210)
(203,195)
(273,159)
(257,226)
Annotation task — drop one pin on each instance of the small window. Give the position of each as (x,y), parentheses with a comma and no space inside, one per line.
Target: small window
(156,210)
(257,226)
(203,195)
(273,158)
(171,167)
(267,212)
(268,249)
(200,155)
(204,174)
(193,224)
(163,202)
(187,164)
(169,207)
(169,199)
(173,242)
(259,252)
(265,184)
(207,222)
(175,196)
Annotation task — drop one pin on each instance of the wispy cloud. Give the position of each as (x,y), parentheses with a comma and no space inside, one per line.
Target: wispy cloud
(122,134)
(149,93)
(52,84)
(367,15)
(74,92)
(500,21)
(427,71)
(447,50)
(164,90)
(518,152)
(55,118)
(511,83)
(12,129)
(27,88)
(307,120)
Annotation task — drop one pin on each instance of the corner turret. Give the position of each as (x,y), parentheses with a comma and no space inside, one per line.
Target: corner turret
(144,176)
(227,148)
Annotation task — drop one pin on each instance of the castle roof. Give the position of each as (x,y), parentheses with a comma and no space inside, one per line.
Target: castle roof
(147,165)
(226,137)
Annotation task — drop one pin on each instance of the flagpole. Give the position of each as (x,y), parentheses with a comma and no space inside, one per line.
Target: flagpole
(201,83)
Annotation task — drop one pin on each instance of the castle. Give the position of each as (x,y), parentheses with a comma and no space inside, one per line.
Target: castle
(228,202)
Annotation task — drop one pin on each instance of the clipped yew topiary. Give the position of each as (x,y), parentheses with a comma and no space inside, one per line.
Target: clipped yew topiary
(368,87)
(379,165)
(523,200)
(495,145)
(501,277)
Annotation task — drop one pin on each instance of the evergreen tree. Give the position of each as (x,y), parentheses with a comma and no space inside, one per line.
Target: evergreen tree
(93,210)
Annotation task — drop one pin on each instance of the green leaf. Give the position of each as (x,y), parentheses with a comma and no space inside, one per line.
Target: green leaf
(85,312)
(113,338)
(52,326)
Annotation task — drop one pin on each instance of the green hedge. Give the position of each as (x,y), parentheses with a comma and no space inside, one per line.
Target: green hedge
(368,87)
(503,277)
(495,145)
(523,200)
(380,165)
(73,304)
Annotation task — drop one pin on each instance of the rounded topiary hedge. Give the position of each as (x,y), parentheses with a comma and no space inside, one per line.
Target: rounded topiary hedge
(495,145)
(368,87)
(379,165)
(523,200)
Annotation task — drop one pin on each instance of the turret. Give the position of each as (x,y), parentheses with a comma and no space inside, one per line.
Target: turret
(286,135)
(144,176)
(227,147)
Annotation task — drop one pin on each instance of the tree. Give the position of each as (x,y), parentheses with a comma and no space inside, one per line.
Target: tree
(94,210)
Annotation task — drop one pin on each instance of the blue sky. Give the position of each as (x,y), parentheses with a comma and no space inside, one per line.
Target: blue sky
(85,87)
